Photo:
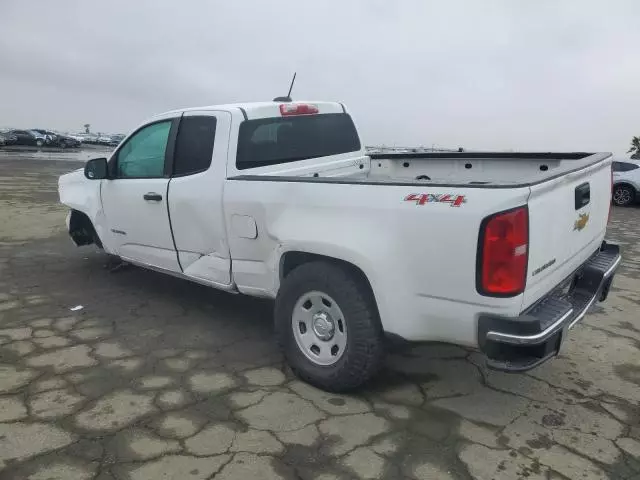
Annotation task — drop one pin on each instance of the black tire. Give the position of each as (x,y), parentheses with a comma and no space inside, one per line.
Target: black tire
(623,195)
(39,143)
(364,352)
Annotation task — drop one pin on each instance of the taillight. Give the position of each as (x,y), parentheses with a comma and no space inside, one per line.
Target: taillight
(503,253)
(290,109)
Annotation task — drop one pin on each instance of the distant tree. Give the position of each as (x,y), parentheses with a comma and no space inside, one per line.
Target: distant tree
(635,148)
(87,128)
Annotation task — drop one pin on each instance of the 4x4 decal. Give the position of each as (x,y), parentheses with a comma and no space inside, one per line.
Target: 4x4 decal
(422,198)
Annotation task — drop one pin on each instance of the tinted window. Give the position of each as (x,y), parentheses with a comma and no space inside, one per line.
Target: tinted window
(624,167)
(143,154)
(271,141)
(194,145)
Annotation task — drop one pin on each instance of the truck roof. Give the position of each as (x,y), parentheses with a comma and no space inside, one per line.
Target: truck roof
(255,110)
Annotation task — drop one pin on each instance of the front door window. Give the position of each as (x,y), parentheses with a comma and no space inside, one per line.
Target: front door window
(143,155)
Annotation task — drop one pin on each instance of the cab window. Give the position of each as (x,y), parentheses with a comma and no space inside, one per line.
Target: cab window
(194,145)
(272,141)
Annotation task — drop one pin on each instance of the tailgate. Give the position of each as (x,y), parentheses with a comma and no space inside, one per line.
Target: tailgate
(568,217)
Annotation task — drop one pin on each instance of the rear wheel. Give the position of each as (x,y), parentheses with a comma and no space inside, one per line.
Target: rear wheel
(328,325)
(39,143)
(623,195)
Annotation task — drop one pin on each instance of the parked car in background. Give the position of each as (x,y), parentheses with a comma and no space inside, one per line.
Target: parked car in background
(626,181)
(84,137)
(41,139)
(80,137)
(49,136)
(104,140)
(66,141)
(116,139)
(28,137)
(55,139)
(7,138)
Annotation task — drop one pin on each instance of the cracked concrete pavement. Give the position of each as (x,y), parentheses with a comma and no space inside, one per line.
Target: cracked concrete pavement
(158,378)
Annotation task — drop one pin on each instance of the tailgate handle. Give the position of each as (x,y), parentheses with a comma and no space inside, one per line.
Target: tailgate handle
(583,195)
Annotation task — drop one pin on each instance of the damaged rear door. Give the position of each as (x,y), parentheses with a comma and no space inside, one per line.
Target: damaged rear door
(196,212)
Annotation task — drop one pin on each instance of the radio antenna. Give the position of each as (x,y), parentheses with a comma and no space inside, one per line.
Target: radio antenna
(288,97)
(293,80)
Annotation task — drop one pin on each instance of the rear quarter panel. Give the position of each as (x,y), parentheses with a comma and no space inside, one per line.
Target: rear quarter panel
(420,258)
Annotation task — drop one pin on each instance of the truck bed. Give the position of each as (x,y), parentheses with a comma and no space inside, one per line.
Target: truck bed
(466,169)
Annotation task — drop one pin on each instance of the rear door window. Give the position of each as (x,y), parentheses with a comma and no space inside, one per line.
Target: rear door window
(271,141)
(194,145)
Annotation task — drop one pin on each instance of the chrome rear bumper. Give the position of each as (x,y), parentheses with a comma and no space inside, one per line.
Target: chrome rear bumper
(522,343)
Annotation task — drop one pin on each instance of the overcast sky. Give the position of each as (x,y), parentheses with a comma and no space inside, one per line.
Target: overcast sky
(509,74)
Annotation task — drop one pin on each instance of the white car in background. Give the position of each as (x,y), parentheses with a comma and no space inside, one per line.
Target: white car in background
(86,137)
(626,181)
(77,136)
(104,140)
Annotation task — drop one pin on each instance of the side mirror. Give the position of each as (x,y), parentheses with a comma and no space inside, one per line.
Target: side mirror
(96,169)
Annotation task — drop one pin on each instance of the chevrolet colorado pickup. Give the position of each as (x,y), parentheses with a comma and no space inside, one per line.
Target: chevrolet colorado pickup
(503,252)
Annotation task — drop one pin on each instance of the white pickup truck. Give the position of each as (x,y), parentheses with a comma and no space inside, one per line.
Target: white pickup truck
(503,252)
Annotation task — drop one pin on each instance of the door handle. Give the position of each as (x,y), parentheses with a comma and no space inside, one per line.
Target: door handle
(152,197)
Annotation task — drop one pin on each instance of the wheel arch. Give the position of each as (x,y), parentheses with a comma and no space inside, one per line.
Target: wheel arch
(294,258)
(626,183)
(82,230)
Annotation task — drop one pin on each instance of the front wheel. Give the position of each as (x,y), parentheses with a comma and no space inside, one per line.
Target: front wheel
(623,195)
(39,143)
(328,325)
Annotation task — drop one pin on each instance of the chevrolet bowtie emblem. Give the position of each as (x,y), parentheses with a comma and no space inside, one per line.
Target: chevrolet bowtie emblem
(581,222)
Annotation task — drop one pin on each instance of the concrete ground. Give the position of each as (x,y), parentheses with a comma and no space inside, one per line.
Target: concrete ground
(158,378)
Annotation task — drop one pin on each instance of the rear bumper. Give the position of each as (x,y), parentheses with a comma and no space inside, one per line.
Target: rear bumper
(522,343)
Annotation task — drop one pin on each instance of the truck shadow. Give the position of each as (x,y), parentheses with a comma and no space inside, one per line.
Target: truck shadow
(150,310)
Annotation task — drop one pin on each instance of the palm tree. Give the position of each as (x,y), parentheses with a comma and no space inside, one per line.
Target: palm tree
(635,147)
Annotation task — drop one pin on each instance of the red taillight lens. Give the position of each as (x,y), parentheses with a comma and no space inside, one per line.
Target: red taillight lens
(290,109)
(504,243)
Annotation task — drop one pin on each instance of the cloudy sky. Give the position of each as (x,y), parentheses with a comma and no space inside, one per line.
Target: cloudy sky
(495,74)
